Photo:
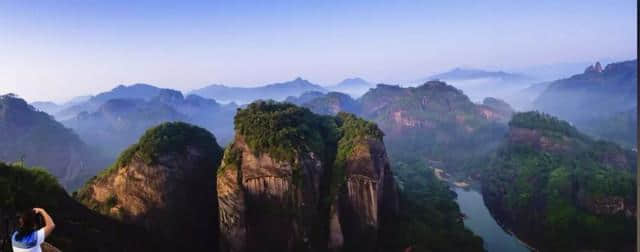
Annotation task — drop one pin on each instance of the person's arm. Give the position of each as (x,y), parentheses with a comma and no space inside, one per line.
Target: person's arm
(48,222)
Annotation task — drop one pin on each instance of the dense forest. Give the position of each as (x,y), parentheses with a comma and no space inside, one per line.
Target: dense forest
(561,190)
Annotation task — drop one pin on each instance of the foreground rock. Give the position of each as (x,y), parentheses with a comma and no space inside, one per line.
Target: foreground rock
(77,227)
(165,184)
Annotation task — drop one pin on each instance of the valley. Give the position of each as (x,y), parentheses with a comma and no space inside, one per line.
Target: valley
(422,167)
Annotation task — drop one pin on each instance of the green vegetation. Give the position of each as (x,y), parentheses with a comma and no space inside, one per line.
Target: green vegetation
(434,121)
(353,131)
(544,122)
(430,220)
(232,159)
(166,138)
(553,194)
(22,187)
(283,130)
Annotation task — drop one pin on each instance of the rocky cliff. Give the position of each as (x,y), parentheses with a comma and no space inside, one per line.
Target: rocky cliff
(296,181)
(166,184)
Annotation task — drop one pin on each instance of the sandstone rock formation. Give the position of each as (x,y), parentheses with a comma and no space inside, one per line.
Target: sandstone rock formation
(324,187)
(166,183)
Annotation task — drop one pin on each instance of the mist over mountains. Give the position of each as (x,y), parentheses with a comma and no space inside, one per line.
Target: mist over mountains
(478,84)
(343,166)
(595,96)
(120,120)
(112,120)
(33,138)
(279,91)
(242,95)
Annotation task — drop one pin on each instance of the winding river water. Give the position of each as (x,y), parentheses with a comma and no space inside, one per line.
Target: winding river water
(480,221)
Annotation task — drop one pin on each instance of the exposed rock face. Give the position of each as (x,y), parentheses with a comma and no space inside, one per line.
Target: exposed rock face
(434,103)
(612,205)
(262,207)
(166,184)
(494,109)
(368,191)
(320,198)
(537,140)
(46,247)
(597,68)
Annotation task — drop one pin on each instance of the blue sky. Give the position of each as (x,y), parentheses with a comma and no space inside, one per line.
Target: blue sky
(54,50)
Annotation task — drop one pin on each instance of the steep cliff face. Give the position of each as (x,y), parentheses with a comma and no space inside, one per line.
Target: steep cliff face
(560,190)
(368,194)
(166,184)
(265,204)
(296,181)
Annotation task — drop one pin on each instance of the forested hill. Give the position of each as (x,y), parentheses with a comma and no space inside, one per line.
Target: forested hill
(559,189)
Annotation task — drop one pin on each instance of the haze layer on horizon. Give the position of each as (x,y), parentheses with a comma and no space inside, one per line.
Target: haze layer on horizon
(54,50)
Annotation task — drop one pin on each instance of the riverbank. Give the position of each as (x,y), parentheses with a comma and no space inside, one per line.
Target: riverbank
(481,222)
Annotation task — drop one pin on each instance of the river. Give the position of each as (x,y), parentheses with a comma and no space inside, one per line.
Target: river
(479,220)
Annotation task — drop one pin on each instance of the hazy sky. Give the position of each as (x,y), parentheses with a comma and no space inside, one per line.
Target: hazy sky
(53,50)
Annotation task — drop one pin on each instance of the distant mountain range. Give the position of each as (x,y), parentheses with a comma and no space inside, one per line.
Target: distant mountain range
(479,84)
(280,91)
(304,97)
(124,116)
(434,125)
(595,93)
(589,99)
(53,108)
(523,99)
(243,95)
(354,87)
(469,74)
(135,91)
(332,103)
(33,138)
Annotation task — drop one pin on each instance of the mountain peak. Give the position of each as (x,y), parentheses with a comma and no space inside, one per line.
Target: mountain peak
(355,81)
(460,73)
(597,68)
